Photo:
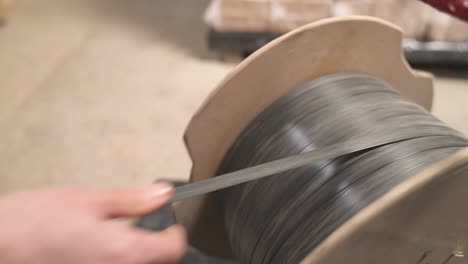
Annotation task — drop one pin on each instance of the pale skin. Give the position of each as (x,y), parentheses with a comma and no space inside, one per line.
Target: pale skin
(73,226)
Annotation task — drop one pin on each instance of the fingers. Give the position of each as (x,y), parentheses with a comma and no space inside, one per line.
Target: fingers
(134,246)
(134,202)
(168,246)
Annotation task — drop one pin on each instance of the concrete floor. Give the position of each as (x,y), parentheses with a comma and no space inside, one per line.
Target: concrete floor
(98,92)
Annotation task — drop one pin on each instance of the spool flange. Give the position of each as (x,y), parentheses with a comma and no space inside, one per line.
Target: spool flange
(352,44)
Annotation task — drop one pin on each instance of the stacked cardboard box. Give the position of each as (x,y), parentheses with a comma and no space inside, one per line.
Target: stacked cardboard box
(265,15)
(250,15)
(412,16)
(445,27)
(418,20)
(288,14)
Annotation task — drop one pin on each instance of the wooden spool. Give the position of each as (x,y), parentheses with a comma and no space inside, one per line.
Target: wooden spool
(418,220)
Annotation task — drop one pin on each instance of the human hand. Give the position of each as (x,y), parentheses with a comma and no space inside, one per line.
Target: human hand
(71,225)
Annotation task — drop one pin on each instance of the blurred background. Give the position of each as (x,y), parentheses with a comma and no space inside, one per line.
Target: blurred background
(98,92)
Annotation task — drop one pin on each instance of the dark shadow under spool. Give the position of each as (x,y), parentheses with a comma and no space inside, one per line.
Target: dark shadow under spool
(282,218)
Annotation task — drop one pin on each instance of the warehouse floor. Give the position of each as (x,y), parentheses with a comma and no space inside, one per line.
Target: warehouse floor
(98,93)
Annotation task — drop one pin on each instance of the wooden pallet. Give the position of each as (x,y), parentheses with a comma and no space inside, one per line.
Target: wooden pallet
(235,46)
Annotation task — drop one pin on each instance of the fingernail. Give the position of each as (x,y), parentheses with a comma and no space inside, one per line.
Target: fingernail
(161,190)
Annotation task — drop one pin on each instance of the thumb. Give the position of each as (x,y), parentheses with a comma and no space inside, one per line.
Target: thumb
(134,202)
